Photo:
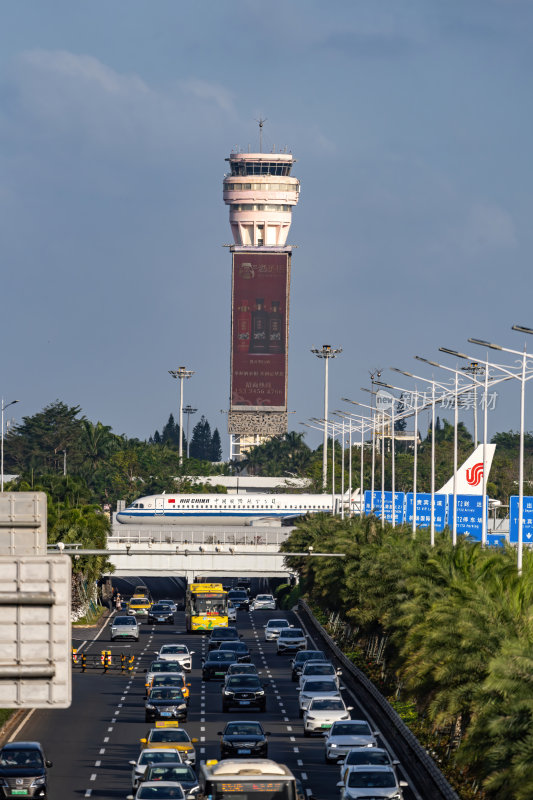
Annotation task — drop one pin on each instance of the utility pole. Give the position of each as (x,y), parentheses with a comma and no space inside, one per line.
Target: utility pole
(189,410)
(326,352)
(180,374)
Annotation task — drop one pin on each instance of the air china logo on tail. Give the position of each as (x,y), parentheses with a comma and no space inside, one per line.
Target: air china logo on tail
(474,475)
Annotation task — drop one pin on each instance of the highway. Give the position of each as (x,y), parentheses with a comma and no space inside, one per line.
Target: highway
(92,742)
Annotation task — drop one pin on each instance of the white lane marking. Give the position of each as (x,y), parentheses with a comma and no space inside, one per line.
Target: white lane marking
(202,728)
(93,777)
(88,793)
(300,762)
(19,727)
(289,727)
(296,749)
(106,739)
(202,738)
(292,739)
(309,792)
(202,750)
(110,730)
(123,697)
(102,751)
(304,776)
(285,719)
(119,705)
(97,763)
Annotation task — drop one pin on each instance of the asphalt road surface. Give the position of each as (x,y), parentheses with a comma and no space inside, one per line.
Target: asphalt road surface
(92,742)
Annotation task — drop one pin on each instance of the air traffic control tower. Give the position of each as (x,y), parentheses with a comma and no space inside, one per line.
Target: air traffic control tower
(261,194)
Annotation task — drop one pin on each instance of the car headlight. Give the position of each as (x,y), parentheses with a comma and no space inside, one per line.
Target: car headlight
(228,694)
(149,706)
(182,706)
(39,781)
(259,693)
(345,716)
(333,745)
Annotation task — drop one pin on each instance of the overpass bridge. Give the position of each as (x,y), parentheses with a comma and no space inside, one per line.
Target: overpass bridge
(189,552)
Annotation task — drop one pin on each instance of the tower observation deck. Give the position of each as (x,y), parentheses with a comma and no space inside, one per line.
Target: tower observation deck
(261,193)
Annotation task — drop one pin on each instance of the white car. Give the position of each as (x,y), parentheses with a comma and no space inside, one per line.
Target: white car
(344,736)
(151,756)
(290,640)
(264,602)
(319,669)
(371,781)
(274,627)
(365,755)
(232,612)
(124,628)
(322,712)
(316,687)
(176,652)
(154,789)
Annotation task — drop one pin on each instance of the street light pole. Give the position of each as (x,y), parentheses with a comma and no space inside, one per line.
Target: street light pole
(189,410)
(326,352)
(4,406)
(180,374)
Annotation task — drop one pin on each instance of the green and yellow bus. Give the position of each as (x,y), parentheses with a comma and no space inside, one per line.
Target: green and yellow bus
(206,607)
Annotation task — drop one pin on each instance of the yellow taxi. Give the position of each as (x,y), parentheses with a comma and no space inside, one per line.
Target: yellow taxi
(139,606)
(170,735)
(175,679)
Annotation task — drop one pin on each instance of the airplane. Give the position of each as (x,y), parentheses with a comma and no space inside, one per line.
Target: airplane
(245,509)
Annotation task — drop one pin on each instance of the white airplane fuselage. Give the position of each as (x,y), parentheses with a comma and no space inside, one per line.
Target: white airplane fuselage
(221,509)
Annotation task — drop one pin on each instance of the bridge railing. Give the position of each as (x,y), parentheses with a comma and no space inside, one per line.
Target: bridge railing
(201,536)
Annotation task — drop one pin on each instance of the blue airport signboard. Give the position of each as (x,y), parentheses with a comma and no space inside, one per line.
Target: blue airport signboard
(375,506)
(469,514)
(423,510)
(496,540)
(527,526)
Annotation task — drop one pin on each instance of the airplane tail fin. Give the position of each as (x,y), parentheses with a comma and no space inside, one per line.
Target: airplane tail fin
(470,474)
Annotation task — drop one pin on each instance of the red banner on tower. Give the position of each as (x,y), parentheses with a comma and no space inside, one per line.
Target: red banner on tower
(259,330)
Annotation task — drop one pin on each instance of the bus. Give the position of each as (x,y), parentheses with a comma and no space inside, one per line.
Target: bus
(246,779)
(206,607)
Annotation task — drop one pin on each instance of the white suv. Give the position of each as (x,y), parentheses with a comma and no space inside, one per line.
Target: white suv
(264,601)
(290,640)
(381,781)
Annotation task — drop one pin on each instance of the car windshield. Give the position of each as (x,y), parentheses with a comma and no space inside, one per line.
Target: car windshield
(307,655)
(224,633)
(169,649)
(168,680)
(277,623)
(166,693)
(318,669)
(157,756)
(326,704)
(161,792)
(243,669)
(320,686)
(369,779)
(264,597)
(125,621)
(367,755)
(291,632)
(351,729)
(221,655)
(237,594)
(169,735)
(160,608)
(243,729)
(237,647)
(176,773)
(164,666)
(250,681)
(20,757)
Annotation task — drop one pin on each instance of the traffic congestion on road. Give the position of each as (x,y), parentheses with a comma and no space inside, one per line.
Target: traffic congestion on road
(158,726)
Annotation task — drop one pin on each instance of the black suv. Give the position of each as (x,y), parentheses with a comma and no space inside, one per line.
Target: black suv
(160,612)
(243,691)
(219,636)
(23,770)
(243,739)
(239,598)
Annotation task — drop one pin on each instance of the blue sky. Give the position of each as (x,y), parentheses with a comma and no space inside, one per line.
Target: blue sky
(411,124)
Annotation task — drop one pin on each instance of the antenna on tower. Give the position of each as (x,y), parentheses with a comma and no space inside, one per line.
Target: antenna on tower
(261,122)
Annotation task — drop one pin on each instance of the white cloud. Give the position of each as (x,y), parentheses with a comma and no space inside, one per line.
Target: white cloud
(61,94)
